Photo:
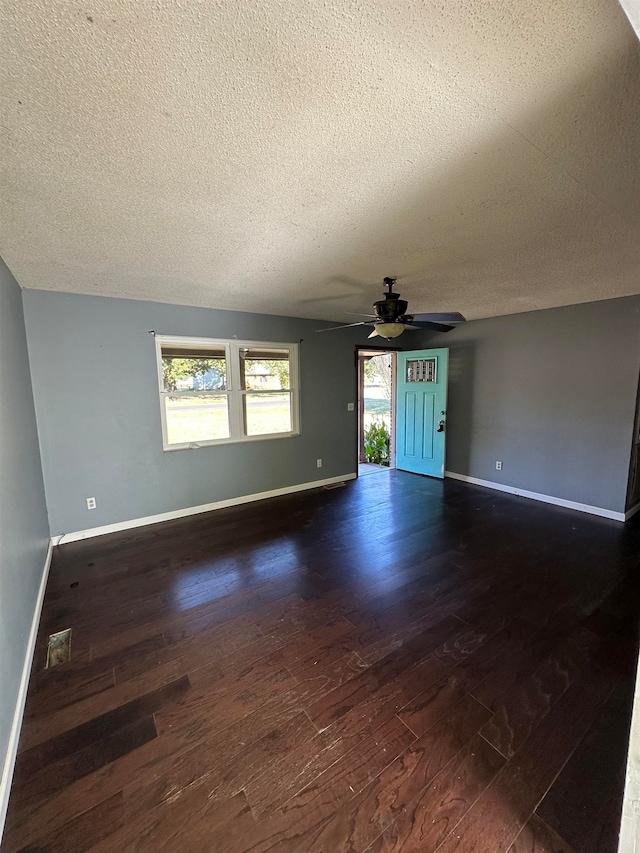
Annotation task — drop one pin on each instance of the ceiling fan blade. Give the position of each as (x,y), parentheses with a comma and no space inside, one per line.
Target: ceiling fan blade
(344,326)
(435,327)
(451,317)
(359,314)
(329,298)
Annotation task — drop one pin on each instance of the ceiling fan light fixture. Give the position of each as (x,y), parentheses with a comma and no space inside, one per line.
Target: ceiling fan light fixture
(387,330)
(392,318)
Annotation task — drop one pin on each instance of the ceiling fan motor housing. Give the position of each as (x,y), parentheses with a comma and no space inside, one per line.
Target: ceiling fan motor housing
(390,308)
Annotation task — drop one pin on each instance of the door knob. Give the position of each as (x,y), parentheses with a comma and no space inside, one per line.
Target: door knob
(440,426)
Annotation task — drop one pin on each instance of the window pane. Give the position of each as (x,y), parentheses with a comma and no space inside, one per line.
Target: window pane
(267,413)
(196,418)
(193,370)
(264,369)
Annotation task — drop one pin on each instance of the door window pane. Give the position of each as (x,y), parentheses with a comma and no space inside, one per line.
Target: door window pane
(421,370)
(197,418)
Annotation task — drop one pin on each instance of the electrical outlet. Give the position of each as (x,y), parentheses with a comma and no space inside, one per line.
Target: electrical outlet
(91,503)
(318,463)
(350,407)
(498,466)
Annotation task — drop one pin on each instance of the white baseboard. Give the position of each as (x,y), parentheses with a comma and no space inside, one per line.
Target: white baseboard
(536,496)
(630,824)
(14,736)
(631,512)
(193,510)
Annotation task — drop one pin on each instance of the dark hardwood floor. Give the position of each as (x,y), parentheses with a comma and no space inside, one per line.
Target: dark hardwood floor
(399,664)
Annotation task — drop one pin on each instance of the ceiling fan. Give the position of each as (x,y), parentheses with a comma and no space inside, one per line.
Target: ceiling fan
(390,318)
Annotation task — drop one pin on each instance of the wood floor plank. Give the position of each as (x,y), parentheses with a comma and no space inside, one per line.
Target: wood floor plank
(165,826)
(317,646)
(437,699)
(502,810)
(358,823)
(250,762)
(432,814)
(241,612)
(219,750)
(537,837)
(527,704)
(539,644)
(200,833)
(204,648)
(328,750)
(86,716)
(83,832)
(349,774)
(67,685)
(72,738)
(216,613)
(332,706)
(25,825)
(440,610)
(286,830)
(336,671)
(583,804)
(229,706)
(84,761)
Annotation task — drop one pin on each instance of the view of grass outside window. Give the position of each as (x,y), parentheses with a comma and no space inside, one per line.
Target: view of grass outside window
(192,412)
(262,377)
(377,409)
(377,390)
(225,391)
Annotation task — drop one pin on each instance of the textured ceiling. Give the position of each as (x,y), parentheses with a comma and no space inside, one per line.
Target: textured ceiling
(284,156)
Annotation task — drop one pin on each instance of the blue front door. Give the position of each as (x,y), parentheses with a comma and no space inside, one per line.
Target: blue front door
(421,411)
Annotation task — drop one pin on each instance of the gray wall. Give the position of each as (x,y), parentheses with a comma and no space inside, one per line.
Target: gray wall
(95,384)
(549,393)
(24,529)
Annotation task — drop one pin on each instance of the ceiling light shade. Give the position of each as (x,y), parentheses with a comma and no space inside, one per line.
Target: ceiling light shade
(387,330)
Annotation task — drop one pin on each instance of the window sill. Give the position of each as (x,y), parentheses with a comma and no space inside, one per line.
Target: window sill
(195,445)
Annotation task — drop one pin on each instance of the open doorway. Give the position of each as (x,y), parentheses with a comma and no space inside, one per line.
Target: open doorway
(376,409)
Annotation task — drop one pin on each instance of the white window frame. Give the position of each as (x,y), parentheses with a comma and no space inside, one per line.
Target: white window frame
(233,390)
